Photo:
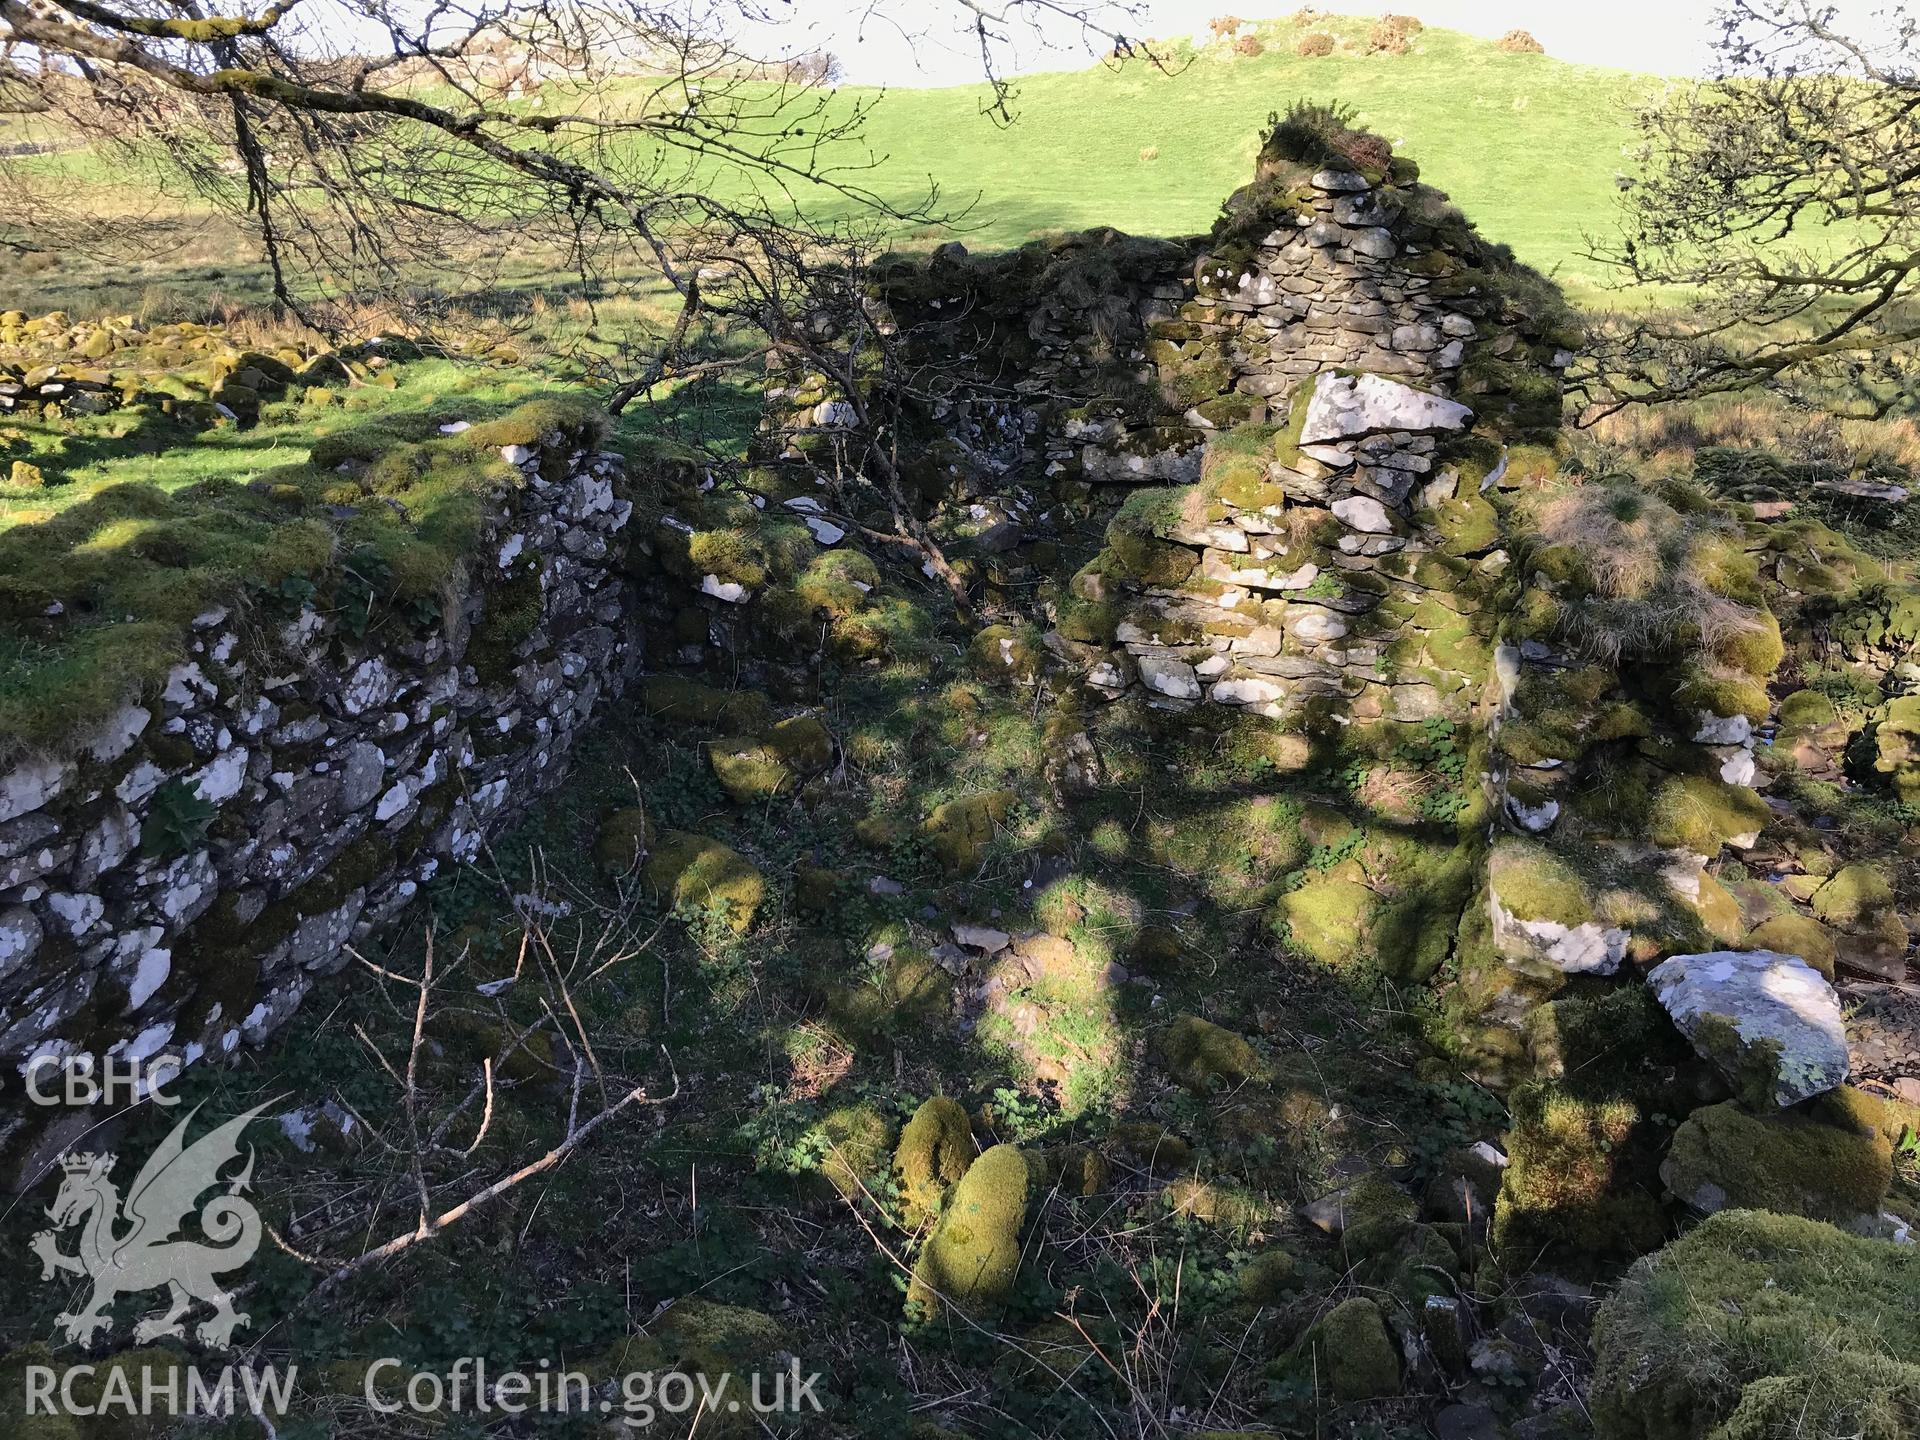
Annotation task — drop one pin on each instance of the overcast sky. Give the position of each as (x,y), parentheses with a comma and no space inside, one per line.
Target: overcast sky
(1668,37)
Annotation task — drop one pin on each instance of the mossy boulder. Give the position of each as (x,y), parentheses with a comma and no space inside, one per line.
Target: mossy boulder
(906,998)
(1213,1203)
(1331,919)
(959,831)
(1572,1185)
(1854,894)
(936,1148)
(675,698)
(1806,713)
(1360,1359)
(1005,654)
(1726,1157)
(973,1255)
(1270,1276)
(748,770)
(1794,934)
(688,870)
(1204,1057)
(624,841)
(1701,813)
(753,768)
(1754,648)
(1757,1326)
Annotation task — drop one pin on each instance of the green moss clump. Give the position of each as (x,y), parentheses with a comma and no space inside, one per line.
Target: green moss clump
(672,697)
(1701,813)
(1806,712)
(729,555)
(1794,934)
(1755,1326)
(1697,690)
(959,831)
(1133,539)
(688,870)
(1361,1361)
(935,1150)
(859,1139)
(748,770)
(1004,653)
(1204,1057)
(1376,1215)
(1756,648)
(514,610)
(1231,1208)
(1269,1277)
(1571,1185)
(1331,919)
(838,582)
(1853,895)
(623,842)
(1468,525)
(1532,882)
(1726,1157)
(973,1255)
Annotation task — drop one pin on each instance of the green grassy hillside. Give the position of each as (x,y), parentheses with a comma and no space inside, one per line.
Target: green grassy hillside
(1529,145)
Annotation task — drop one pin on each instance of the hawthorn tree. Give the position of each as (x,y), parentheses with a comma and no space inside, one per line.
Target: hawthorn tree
(1784,197)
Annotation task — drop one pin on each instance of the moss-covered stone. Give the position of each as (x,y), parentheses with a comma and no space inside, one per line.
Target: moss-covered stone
(971,1259)
(748,770)
(959,831)
(695,871)
(1222,1206)
(1006,654)
(1571,1186)
(673,697)
(1794,934)
(624,840)
(815,888)
(1725,1157)
(1361,1361)
(1755,1326)
(1270,1276)
(1204,1058)
(1854,894)
(1806,712)
(935,1150)
(1331,919)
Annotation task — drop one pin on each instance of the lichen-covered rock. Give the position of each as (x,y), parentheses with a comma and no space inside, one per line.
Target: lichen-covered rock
(1756,1325)
(1725,1157)
(696,871)
(1204,1057)
(1769,1021)
(1344,407)
(971,1259)
(936,1147)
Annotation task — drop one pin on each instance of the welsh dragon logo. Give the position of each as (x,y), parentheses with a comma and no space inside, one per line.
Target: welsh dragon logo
(130,1245)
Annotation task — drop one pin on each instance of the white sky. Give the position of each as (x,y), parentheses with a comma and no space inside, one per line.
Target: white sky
(1665,37)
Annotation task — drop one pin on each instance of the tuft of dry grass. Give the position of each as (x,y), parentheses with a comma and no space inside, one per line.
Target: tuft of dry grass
(1667,435)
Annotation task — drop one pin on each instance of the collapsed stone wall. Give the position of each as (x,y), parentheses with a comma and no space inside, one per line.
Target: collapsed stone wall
(1339,369)
(177,884)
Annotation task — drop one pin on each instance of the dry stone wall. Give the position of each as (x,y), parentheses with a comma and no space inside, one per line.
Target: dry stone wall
(176,885)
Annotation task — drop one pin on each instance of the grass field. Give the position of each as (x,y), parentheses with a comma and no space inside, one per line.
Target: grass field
(1529,145)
